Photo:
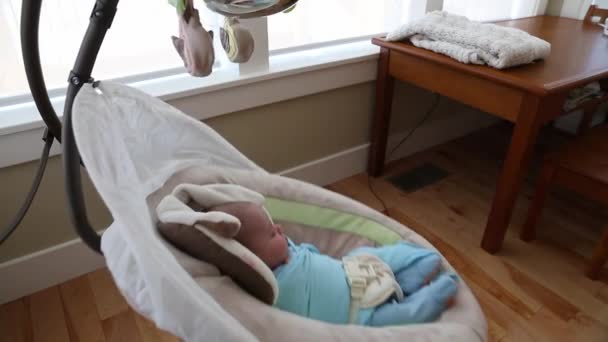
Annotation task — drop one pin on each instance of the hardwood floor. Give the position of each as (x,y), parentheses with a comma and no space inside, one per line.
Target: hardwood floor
(529,291)
(87,308)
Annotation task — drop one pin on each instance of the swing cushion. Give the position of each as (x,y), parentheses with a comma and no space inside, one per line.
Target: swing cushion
(137,149)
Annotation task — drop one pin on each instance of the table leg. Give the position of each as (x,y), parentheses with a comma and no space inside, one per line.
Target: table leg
(519,154)
(600,255)
(528,231)
(384,101)
(586,120)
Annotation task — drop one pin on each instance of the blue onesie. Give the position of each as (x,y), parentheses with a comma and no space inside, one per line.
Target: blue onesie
(314,285)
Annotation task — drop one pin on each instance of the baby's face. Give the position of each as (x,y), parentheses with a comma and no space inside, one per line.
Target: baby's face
(258,233)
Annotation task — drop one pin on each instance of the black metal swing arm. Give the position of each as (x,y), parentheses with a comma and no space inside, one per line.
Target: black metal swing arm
(100,21)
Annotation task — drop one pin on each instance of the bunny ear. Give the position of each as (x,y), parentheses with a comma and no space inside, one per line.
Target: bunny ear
(187,203)
(221,223)
(172,210)
(209,236)
(211,195)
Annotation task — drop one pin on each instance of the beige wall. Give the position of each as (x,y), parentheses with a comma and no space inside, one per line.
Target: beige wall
(47,223)
(289,133)
(571,8)
(555,7)
(276,136)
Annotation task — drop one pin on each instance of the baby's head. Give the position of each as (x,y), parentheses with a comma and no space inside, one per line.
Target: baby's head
(258,233)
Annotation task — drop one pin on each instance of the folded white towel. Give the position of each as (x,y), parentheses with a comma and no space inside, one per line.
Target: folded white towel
(472,42)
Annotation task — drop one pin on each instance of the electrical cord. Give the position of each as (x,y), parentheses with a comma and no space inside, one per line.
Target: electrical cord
(428,114)
(48,139)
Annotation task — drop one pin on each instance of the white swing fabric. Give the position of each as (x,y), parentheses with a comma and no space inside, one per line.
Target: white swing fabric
(133,145)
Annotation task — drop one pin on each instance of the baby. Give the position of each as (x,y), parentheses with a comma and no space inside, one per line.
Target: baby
(316,286)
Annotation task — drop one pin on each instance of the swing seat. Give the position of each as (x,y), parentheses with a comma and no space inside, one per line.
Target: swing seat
(137,149)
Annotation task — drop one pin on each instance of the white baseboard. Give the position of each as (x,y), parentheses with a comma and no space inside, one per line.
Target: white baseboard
(49,267)
(350,162)
(332,168)
(52,266)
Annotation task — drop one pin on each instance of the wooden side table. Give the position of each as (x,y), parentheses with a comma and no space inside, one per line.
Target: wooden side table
(529,96)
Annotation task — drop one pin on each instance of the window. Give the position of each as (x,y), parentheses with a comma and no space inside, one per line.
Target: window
(137,43)
(138,46)
(489,10)
(322,21)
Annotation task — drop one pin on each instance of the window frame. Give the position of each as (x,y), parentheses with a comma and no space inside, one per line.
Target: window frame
(258,63)
(269,77)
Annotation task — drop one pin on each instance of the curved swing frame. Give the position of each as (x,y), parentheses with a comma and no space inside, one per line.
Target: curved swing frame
(123,258)
(100,21)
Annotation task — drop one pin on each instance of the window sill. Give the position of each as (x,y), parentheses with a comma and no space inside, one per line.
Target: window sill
(290,75)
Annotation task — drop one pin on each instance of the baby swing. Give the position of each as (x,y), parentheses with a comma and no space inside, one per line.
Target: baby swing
(138,149)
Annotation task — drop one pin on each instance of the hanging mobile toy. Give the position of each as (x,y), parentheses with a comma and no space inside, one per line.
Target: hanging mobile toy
(195,44)
(236,40)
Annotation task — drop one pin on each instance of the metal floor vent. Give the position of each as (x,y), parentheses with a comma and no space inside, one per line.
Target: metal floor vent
(418,177)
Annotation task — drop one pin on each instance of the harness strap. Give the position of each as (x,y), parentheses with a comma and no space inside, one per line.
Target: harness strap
(371,283)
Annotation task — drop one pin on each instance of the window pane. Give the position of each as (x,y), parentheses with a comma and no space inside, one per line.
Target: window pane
(482,10)
(601,3)
(490,10)
(319,21)
(138,41)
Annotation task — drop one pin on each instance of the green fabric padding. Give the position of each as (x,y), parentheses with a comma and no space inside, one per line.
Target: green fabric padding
(326,218)
(180,5)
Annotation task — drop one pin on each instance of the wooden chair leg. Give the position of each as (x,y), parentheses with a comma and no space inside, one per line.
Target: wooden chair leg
(586,120)
(528,231)
(599,257)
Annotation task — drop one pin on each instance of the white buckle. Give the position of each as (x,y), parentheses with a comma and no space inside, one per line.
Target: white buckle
(371,282)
